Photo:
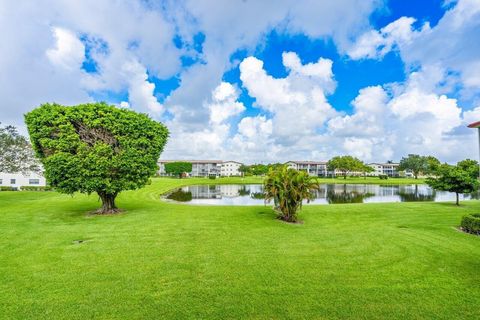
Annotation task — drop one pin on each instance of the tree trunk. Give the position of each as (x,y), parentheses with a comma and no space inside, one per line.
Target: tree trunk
(108,203)
(345,175)
(457,202)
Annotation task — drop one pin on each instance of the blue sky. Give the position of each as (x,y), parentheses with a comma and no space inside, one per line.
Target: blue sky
(259,82)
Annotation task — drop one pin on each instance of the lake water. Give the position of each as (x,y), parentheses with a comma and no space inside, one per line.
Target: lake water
(252,194)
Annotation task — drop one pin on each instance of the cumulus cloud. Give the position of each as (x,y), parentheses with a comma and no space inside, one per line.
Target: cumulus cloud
(410,119)
(224,104)
(451,46)
(69,51)
(297,102)
(375,44)
(140,91)
(292,116)
(210,140)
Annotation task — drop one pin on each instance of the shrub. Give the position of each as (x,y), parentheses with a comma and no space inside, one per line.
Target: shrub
(212,177)
(288,188)
(471,223)
(5,188)
(36,188)
(383,176)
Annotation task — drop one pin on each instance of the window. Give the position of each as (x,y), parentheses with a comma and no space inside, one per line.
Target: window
(13,181)
(1,181)
(34,181)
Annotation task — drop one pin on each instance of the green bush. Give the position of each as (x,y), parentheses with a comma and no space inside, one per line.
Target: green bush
(5,188)
(471,223)
(36,188)
(212,177)
(383,176)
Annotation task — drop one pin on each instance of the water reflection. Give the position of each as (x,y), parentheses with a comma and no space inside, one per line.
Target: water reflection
(233,194)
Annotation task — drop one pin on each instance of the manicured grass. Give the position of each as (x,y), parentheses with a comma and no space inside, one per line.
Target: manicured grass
(162,260)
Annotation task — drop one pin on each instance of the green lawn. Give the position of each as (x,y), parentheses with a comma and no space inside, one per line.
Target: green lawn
(162,260)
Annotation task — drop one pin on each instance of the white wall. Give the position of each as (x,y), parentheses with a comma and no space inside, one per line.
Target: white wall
(230,168)
(17,180)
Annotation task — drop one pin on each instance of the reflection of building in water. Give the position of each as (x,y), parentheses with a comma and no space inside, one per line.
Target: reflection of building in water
(230,190)
(204,191)
(222,190)
(328,193)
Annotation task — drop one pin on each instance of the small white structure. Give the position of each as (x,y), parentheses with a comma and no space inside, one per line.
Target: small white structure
(230,168)
(17,180)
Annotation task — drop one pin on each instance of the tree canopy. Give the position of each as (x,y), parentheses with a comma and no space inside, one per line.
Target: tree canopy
(16,153)
(459,179)
(96,147)
(178,168)
(419,164)
(345,164)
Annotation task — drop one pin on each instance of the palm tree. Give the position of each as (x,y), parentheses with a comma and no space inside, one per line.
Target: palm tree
(288,188)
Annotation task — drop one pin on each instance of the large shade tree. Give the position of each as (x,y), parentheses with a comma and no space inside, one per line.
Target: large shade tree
(345,164)
(178,168)
(419,164)
(96,148)
(16,153)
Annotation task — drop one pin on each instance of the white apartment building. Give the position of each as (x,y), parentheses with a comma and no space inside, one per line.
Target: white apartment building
(206,168)
(230,168)
(314,168)
(17,180)
(390,169)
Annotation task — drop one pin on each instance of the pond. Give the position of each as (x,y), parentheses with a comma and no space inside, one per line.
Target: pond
(252,194)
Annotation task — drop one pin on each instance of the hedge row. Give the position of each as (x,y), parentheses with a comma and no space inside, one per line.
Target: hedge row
(36,188)
(5,188)
(471,223)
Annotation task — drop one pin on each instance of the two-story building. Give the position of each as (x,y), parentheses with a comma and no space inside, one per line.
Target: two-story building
(17,180)
(206,168)
(389,168)
(230,168)
(314,168)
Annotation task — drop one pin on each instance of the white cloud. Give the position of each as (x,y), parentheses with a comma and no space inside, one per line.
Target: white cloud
(224,104)
(375,44)
(251,127)
(69,51)
(297,102)
(210,141)
(451,46)
(140,91)
(409,120)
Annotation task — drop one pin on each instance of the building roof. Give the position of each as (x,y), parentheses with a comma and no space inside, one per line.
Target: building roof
(474,125)
(307,162)
(384,163)
(232,161)
(192,161)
